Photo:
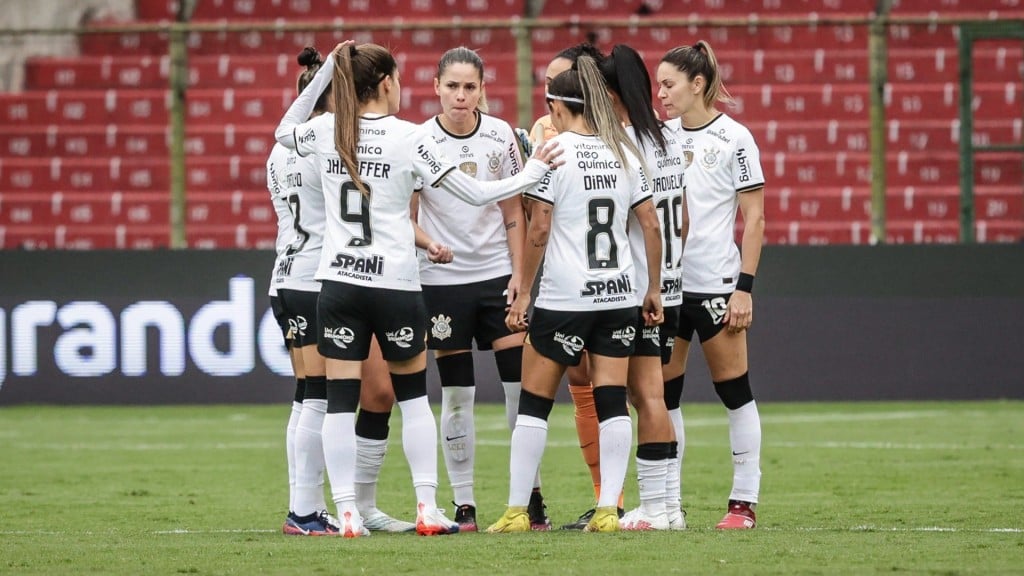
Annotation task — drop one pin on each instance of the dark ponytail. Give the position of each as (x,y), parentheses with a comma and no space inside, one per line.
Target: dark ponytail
(311,59)
(626,75)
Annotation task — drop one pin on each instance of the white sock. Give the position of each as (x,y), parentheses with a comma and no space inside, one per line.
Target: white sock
(528,441)
(340,455)
(289,443)
(616,439)
(419,440)
(458,434)
(673,480)
(651,478)
(369,459)
(745,439)
(512,392)
(309,458)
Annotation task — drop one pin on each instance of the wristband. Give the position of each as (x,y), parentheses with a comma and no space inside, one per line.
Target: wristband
(745,282)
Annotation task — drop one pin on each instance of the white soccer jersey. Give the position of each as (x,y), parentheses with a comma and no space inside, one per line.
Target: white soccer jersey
(285,223)
(722,162)
(369,239)
(665,179)
(300,179)
(476,234)
(587,264)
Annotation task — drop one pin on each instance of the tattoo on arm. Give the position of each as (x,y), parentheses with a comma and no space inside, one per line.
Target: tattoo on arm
(510,225)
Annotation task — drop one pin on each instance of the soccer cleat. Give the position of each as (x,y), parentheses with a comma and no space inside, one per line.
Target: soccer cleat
(315,524)
(432,522)
(331,520)
(584,519)
(352,526)
(739,517)
(537,511)
(377,521)
(465,517)
(515,519)
(636,520)
(676,519)
(580,522)
(604,519)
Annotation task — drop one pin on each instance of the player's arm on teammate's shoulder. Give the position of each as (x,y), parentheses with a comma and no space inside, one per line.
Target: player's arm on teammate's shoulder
(478,193)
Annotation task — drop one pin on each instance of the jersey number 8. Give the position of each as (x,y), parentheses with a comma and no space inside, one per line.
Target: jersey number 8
(600,214)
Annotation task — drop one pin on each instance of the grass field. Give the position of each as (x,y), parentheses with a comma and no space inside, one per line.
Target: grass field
(927,488)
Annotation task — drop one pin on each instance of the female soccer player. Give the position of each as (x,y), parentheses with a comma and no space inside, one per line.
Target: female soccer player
(579,381)
(369,162)
(587,297)
(467,299)
(286,175)
(723,173)
(298,291)
(630,87)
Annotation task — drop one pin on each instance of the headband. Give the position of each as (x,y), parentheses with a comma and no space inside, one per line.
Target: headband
(551,96)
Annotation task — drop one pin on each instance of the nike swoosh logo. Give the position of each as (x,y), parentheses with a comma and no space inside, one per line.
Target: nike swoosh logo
(449,439)
(740,453)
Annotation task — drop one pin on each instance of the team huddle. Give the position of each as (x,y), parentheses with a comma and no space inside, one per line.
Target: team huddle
(396,237)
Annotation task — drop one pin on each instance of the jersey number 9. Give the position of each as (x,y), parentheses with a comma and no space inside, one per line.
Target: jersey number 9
(362,216)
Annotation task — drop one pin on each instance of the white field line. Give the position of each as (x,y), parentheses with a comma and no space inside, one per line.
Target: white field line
(499,425)
(830,417)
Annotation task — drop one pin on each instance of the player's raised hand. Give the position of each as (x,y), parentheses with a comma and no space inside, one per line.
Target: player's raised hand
(342,45)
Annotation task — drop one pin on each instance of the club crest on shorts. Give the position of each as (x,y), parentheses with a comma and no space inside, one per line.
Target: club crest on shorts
(341,337)
(494,162)
(442,328)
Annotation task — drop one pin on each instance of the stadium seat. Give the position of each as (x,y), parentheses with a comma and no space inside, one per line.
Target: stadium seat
(316,9)
(785,203)
(134,139)
(232,236)
(228,71)
(230,208)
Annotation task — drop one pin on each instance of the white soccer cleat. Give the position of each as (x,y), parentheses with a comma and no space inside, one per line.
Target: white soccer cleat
(377,521)
(676,519)
(352,525)
(636,519)
(432,522)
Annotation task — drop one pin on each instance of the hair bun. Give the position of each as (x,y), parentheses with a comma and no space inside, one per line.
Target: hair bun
(309,57)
